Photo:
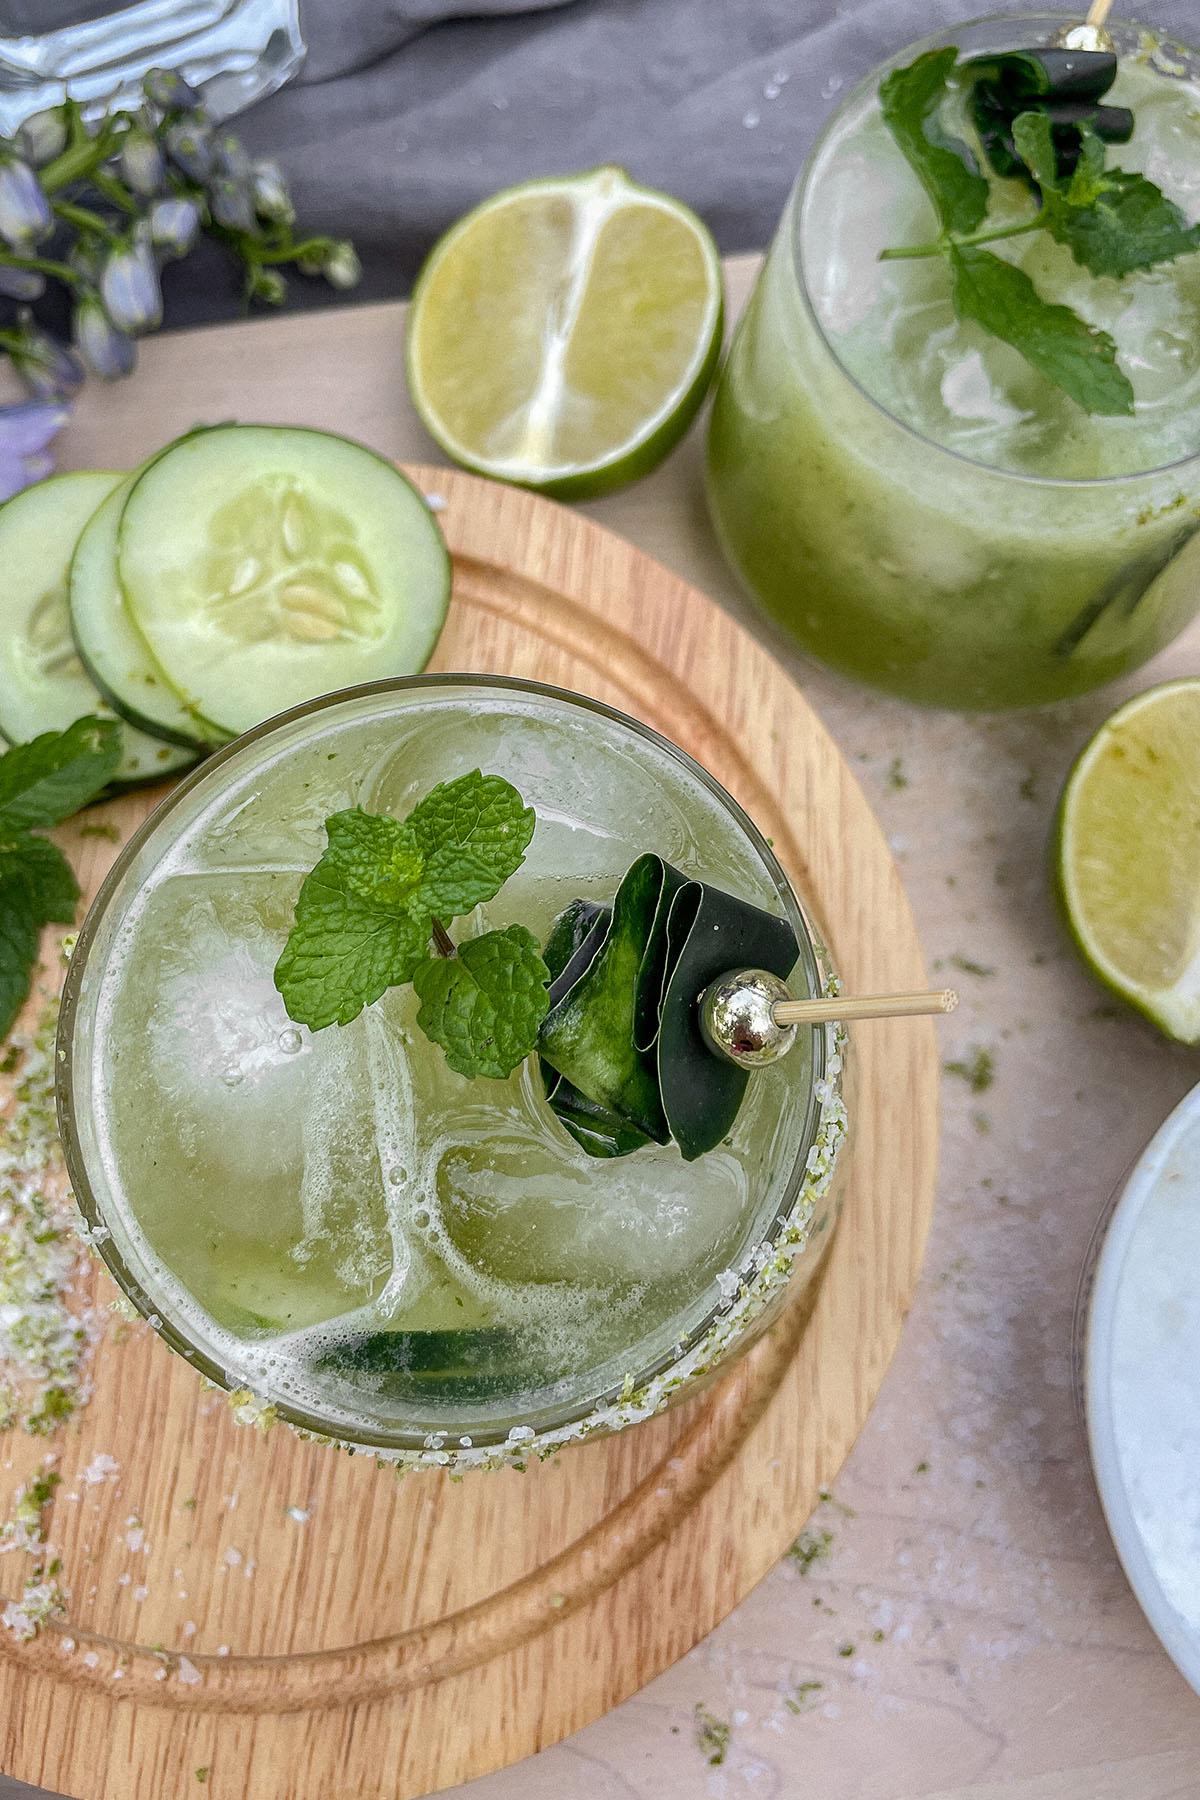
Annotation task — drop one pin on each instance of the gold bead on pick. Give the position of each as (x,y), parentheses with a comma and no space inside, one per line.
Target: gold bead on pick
(738,1022)
(749,1018)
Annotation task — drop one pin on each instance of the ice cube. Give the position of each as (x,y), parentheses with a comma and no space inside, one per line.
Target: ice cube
(525,1211)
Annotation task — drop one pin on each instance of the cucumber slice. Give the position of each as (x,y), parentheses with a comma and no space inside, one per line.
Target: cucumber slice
(432,1365)
(111,648)
(43,684)
(265,565)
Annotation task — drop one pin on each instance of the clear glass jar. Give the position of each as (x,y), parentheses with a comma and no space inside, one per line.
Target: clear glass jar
(988,557)
(234,51)
(267,1196)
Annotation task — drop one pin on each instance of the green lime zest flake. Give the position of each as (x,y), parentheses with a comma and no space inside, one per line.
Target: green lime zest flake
(1038,122)
(43,782)
(366,913)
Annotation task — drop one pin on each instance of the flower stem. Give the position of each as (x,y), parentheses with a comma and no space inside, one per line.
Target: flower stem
(81,158)
(443,942)
(907,252)
(85,219)
(43,265)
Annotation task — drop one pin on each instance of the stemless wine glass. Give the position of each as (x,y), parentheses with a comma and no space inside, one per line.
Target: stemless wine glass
(900,491)
(385,1252)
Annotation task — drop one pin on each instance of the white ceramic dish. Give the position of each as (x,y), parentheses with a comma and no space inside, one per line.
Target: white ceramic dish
(1140,1311)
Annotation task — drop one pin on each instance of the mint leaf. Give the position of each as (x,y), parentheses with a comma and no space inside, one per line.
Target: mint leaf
(378,859)
(944,165)
(1129,224)
(47,779)
(40,867)
(366,913)
(1076,356)
(484,1005)
(1035,142)
(20,932)
(41,783)
(1111,221)
(473,833)
(346,948)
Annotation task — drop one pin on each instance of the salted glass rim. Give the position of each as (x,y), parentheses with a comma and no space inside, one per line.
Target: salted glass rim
(793,222)
(484,1432)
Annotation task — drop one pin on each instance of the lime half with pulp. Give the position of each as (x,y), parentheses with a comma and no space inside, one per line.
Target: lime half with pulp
(1129,855)
(563,334)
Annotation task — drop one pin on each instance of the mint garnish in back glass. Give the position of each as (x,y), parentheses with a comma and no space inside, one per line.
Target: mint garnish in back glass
(1039,120)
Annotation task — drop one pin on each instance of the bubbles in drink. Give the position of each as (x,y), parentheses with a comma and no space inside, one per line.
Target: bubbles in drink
(361,1227)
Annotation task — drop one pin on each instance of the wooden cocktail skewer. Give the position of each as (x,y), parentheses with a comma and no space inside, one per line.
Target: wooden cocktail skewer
(749,1018)
(1097,12)
(864,1006)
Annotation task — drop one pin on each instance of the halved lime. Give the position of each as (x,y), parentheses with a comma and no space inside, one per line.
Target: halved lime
(1129,855)
(563,334)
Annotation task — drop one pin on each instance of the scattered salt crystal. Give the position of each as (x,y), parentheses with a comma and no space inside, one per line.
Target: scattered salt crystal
(124,1580)
(232,1557)
(139,1594)
(436,502)
(189,1629)
(750,120)
(222,1649)
(90,1659)
(68,1644)
(188,1671)
(301,1514)
(135,1537)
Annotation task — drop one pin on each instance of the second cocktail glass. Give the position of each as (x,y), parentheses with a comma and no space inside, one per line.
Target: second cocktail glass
(902,493)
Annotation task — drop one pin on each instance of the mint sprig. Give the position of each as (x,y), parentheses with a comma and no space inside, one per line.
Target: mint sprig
(1112,221)
(484,1004)
(1079,358)
(384,891)
(43,782)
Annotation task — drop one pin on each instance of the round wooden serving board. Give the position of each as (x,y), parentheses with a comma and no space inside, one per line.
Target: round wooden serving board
(351,1636)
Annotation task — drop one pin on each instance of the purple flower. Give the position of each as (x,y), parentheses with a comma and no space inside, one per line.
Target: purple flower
(187,144)
(168,90)
(25,431)
(141,162)
(230,203)
(49,370)
(25,216)
(43,136)
(130,290)
(107,352)
(269,192)
(173,225)
(341,267)
(21,284)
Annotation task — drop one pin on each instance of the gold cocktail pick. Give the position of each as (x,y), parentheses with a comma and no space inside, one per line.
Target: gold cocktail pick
(1091,35)
(749,1017)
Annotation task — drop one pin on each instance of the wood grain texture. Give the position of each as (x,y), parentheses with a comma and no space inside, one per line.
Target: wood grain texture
(409,1635)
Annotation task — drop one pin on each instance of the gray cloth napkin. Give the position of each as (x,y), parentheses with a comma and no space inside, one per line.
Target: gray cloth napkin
(409,111)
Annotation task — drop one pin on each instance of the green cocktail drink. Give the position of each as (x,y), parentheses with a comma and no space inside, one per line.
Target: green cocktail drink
(906,496)
(386,1251)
